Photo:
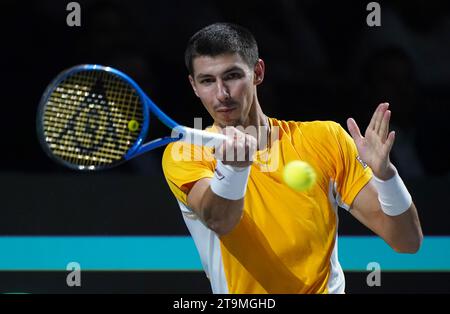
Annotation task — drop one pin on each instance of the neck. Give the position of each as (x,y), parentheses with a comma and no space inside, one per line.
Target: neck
(259,120)
(256,116)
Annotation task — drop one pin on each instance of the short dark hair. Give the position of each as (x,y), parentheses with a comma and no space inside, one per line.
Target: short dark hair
(222,38)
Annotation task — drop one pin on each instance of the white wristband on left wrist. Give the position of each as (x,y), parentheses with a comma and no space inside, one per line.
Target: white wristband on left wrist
(393,195)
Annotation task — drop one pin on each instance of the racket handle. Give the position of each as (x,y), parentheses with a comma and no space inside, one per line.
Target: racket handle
(199,137)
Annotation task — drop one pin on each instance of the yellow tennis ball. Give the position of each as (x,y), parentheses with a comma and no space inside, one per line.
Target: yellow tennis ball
(133,125)
(299,175)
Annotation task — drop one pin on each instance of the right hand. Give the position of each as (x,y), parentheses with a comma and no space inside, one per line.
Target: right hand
(238,150)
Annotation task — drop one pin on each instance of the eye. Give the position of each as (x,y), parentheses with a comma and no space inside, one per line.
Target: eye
(206,81)
(233,76)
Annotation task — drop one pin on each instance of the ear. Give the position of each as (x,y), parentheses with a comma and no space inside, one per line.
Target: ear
(259,71)
(191,80)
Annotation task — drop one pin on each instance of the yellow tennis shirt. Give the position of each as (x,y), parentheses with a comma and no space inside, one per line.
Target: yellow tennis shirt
(286,241)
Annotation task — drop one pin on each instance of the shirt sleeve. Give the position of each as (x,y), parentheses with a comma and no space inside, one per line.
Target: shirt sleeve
(184,164)
(351,174)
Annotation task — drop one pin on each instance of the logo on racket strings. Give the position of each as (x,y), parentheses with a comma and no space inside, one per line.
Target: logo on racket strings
(91,127)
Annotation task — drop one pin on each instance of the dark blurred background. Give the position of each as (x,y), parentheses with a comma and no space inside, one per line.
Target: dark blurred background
(322,63)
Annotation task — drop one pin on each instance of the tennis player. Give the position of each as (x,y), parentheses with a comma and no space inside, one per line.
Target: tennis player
(253,233)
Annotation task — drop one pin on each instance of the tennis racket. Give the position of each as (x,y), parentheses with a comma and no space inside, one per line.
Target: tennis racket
(93,117)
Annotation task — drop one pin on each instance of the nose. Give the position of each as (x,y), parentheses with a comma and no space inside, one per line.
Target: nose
(223,94)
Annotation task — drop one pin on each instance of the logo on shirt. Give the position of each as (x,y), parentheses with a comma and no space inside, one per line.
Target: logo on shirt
(361,162)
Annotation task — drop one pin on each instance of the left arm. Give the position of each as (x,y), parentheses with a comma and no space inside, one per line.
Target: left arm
(401,231)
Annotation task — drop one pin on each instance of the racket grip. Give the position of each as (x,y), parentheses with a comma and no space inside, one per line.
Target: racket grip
(199,137)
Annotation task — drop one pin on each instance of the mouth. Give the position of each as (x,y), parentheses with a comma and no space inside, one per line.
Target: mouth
(225,109)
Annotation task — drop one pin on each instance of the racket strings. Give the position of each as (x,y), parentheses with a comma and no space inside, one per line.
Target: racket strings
(86,118)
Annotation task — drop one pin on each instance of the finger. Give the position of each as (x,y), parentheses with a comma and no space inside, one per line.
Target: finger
(384,128)
(224,130)
(354,129)
(246,147)
(379,116)
(390,141)
(229,145)
(236,148)
(252,147)
(240,146)
(372,121)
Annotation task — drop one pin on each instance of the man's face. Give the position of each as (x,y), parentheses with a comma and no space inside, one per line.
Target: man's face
(226,86)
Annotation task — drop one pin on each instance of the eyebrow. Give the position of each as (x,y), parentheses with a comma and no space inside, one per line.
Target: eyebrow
(233,68)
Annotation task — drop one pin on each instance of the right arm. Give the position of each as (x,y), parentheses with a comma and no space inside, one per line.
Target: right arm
(219,212)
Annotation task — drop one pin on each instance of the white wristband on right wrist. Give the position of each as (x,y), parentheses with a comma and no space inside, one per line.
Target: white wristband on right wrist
(230,182)
(393,195)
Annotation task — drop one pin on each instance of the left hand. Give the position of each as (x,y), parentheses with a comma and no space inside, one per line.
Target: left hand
(375,146)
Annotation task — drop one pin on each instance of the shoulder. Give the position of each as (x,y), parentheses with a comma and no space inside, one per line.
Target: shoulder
(315,129)
(184,155)
(167,160)
(325,127)
(167,156)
